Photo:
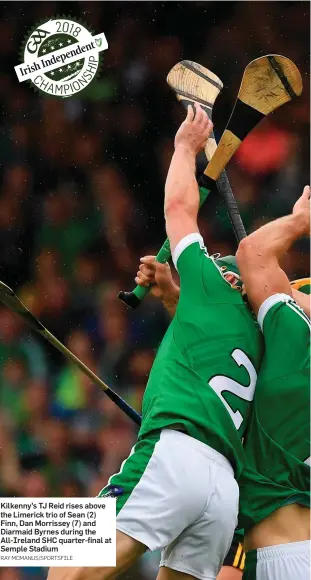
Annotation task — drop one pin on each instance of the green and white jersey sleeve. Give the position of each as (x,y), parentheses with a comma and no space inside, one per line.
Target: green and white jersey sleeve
(200,277)
(279,299)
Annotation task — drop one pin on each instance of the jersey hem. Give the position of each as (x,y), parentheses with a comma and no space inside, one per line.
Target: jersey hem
(184,243)
(268,304)
(230,453)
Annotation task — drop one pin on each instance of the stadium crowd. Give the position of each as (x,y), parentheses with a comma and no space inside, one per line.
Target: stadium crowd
(82,199)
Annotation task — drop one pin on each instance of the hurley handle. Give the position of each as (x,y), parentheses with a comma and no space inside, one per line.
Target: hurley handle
(224,189)
(134,298)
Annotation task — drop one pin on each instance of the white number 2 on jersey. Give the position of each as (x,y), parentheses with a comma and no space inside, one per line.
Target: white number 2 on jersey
(221,384)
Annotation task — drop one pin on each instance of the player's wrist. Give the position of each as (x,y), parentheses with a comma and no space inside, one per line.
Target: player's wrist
(302,221)
(186,147)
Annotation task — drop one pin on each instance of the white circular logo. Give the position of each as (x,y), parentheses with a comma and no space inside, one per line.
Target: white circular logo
(61,57)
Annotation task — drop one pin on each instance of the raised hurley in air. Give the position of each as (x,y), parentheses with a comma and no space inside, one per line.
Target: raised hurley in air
(268,83)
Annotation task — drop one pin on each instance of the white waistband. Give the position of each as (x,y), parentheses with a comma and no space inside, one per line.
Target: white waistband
(195,444)
(283,550)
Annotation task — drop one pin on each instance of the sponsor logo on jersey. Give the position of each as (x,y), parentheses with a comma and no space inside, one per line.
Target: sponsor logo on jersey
(113,491)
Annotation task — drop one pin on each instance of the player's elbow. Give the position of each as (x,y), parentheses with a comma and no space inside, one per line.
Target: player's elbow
(245,253)
(178,207)
(254,249)
(181,198)
(170,204)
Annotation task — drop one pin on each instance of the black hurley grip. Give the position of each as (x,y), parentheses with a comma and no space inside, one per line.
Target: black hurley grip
(131,413)
(129,298)
(224,188)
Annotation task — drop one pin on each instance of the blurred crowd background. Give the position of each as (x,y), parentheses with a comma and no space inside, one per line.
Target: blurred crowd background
(81,201)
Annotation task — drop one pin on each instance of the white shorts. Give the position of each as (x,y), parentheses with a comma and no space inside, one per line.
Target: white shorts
(185,502)
(281,562)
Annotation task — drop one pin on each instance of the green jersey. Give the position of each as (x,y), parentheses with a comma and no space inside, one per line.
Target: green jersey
(277,442)
(205,371)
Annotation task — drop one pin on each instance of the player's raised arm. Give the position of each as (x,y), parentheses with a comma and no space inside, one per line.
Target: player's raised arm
(181,202)
(258,255)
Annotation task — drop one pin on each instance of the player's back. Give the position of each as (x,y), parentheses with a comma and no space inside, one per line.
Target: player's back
(277,445)
(204,375)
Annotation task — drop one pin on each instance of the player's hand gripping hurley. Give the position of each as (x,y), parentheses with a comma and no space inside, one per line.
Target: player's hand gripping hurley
(268,82)
(192,83)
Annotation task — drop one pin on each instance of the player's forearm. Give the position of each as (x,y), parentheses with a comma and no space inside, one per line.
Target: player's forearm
(181,188)
(274,239)
(170,300)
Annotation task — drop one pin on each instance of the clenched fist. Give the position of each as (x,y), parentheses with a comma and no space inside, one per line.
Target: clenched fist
(194,132)
(159,277)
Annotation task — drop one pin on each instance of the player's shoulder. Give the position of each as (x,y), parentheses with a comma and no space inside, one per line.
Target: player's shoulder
(189,246)
(282,306)
(201,277)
